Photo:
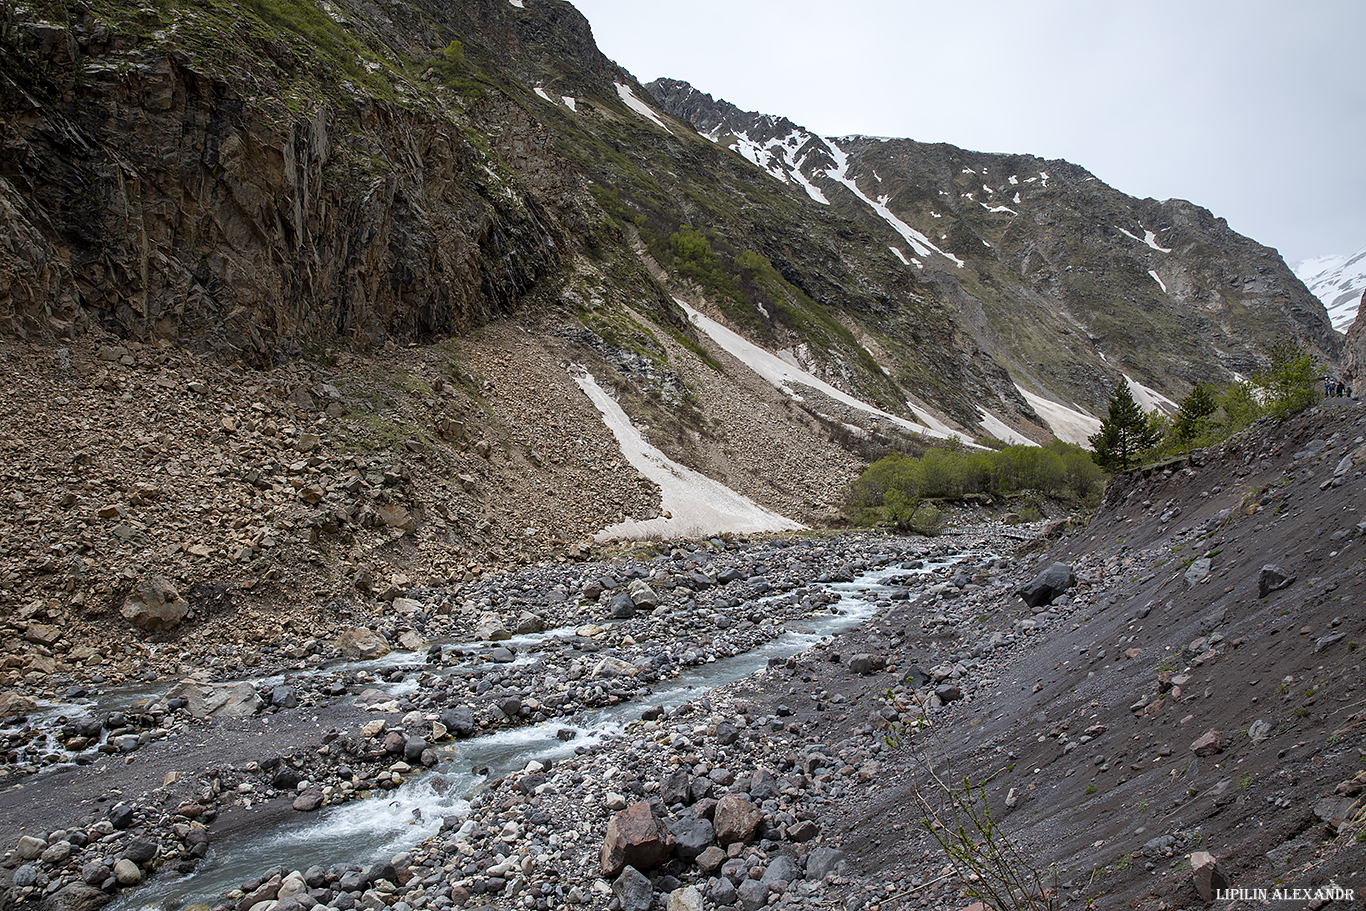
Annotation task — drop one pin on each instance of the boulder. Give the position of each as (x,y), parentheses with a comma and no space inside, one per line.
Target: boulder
(361,644)
(635,837)
(127,872)
(155,605)
(823,861)
(692,836)
(685,899)
(623,606)
(1198,570)
(736,820)
(459,720)
(217,700)
(614,667)
(634,890)
(753,895)
(395,516)
(1209,878)
(1272,579)
(643,595)
(491,629)
(76,896)
(12,705)
(866,664)
(1047,585)
(1209,743)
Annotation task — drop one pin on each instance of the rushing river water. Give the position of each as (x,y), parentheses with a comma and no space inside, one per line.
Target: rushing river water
(366,831)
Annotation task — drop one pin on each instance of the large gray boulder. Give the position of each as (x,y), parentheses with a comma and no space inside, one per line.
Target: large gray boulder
(1047,585)
(1272,578)
(218,700)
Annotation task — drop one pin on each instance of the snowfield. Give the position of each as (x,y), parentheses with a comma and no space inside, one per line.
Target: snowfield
(1338,281)
(1069,424)
(694,504)
(782,375)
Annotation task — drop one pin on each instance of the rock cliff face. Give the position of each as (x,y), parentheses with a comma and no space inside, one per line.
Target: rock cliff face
(154,197)
(1354,350)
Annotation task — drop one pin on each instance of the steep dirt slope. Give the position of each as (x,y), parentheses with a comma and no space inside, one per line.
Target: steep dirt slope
(1089,722)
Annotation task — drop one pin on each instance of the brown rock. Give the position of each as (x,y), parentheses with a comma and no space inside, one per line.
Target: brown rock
(736,820)
(42,634)
(308,801)
(155,605)
(1209,743)
(635,836)
(395,516)
(1208,876)
(361,643)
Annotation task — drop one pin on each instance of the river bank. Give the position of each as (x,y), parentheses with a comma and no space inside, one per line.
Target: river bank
(584,639)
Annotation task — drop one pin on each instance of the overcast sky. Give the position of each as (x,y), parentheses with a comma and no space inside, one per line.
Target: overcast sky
(1253,109)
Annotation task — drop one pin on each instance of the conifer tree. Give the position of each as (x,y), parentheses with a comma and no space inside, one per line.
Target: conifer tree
(1195,408)
(1124,435)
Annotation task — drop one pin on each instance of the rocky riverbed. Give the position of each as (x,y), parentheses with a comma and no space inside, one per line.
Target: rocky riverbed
(352,718)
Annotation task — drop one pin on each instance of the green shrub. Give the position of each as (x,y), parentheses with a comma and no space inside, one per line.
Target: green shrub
(898,483)
(1291,384)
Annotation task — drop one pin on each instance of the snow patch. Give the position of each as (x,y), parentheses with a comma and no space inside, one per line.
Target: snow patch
(1148,238)
(517,3)
(998,208)
(1001,430)
(570,102)
(1070,424)
(1149,399)
(697,504)
(919,242)
(899,255)
(634,103)
(1153,273)
(783,374)
(542,92)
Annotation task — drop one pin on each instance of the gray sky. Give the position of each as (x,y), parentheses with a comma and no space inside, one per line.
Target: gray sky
(1255,109)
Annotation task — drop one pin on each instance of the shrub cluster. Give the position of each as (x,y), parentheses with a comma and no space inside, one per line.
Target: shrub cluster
(893,487)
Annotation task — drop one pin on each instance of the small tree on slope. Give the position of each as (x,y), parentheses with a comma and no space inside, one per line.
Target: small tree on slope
(1125,434)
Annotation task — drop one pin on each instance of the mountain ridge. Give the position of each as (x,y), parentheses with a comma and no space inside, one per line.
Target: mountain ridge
(918,191)
(1339,282)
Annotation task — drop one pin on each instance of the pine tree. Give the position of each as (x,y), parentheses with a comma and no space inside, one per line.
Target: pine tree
(1124,435)
(1195,408)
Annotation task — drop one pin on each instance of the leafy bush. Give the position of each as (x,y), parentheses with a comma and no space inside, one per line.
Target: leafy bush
(1291,383)
(893,487)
